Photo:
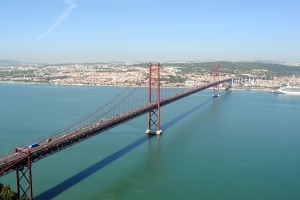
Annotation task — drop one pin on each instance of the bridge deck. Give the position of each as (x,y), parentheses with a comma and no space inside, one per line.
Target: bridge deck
(46,148)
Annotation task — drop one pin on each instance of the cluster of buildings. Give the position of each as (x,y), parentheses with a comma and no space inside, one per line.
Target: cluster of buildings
(126,74)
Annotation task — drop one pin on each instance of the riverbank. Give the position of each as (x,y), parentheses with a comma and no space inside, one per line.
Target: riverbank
(90,85)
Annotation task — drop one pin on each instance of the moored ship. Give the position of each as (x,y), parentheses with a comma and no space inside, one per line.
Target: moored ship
(289,90)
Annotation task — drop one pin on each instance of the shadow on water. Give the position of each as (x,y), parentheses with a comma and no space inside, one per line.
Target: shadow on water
(183,115)
(66,184)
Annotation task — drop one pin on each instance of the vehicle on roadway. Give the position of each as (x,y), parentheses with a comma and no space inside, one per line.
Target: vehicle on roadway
(33,145)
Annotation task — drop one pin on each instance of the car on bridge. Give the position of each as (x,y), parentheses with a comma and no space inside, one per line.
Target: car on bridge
(33,145)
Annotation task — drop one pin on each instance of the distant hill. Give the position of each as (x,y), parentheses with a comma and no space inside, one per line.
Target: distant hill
(10,62)
(257,68)
(243,67)
(17,62)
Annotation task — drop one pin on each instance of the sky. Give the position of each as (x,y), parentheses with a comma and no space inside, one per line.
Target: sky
(62,31)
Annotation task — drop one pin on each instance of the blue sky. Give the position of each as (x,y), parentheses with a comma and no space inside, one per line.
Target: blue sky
(55,31)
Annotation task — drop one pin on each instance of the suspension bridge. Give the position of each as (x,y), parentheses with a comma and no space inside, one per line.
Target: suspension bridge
(117,111)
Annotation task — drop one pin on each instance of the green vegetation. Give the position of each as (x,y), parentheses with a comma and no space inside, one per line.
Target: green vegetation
(7,194)
(237,68)
(174,79)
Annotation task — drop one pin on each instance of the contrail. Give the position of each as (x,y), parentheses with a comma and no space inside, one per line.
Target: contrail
(58,21)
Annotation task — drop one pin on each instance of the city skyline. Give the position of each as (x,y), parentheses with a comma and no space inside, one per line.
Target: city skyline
(61,31)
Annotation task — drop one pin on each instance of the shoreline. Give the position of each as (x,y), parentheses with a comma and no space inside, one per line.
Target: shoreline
(89,85)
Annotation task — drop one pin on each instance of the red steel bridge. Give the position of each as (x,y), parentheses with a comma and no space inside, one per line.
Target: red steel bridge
(119,110)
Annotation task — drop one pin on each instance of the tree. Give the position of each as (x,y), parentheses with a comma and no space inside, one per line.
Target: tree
(6,193)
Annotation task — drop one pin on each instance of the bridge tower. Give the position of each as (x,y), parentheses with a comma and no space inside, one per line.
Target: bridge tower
(154,98)
(216,88)
(23,168)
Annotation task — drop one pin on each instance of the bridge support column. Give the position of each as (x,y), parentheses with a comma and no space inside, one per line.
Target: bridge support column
(229,84)
(23,175)
(153,98)
(216,89)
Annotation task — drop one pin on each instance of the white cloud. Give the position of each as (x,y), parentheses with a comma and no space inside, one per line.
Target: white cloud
(58,21)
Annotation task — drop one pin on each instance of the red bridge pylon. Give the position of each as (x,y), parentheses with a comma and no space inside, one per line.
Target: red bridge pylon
(216,88)
(154,97)
(26,178)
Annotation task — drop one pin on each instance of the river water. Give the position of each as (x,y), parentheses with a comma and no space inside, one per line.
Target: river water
(243,145)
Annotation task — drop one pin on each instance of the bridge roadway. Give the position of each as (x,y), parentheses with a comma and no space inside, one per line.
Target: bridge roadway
(18,160)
